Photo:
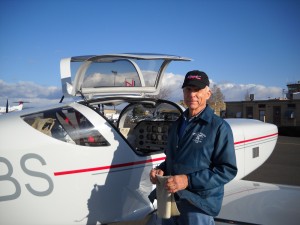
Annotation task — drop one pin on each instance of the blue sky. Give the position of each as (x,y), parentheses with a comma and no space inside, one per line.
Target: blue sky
(242,45)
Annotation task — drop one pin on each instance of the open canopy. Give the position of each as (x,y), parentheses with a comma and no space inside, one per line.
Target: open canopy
(114,74)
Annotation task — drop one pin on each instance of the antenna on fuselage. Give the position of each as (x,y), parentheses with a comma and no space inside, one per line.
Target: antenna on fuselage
(62,98)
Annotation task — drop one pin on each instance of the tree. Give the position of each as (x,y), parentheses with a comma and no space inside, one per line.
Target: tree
(181,102)
(165,93)
(138,111)
(216,101)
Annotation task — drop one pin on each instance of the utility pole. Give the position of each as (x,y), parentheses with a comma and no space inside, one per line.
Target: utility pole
(115,74)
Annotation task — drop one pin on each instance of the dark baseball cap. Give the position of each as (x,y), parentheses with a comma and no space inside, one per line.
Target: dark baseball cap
(196,78)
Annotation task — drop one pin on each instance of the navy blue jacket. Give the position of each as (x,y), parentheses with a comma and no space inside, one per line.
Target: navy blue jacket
(205,153)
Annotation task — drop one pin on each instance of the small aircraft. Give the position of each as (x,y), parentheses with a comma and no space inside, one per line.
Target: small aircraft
(7,108)
(70,164)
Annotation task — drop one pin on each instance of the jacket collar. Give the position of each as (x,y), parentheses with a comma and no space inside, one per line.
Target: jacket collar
(205,114)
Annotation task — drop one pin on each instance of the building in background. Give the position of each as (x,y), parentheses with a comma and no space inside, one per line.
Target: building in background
(285,113)
(293,90)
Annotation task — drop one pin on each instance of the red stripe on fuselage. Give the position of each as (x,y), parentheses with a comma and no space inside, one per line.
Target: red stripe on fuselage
(108,167)
(254,139)
(121,165)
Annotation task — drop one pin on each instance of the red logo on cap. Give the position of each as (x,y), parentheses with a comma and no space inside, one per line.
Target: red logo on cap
(194,77)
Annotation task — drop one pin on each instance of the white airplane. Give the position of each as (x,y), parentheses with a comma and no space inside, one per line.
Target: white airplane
(69,164)
(7,108)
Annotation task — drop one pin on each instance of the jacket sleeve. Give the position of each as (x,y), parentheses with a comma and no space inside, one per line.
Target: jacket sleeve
(223,163)
(162,166)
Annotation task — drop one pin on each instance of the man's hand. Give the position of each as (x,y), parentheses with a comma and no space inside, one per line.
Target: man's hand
(153,174)
(177,183)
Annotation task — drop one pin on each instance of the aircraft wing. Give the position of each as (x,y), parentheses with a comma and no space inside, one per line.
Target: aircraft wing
(249,202)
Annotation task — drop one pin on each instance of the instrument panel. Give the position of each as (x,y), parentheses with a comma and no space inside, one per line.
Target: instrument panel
(151,136)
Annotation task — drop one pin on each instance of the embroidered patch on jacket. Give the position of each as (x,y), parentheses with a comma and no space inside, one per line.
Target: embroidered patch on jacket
(198,137)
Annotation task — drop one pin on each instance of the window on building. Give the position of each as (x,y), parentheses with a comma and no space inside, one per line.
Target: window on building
(291,106)
(249,112)
(277,115)
(290,111)
(262,115)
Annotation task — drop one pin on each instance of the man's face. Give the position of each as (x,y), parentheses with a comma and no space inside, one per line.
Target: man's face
(195,98)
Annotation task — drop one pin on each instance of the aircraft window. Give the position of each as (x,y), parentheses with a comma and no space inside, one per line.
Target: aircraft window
(149,69)
(68,125)
(255,152)
(121,74)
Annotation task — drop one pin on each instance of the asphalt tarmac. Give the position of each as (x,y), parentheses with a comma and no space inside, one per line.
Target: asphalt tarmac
(283,166)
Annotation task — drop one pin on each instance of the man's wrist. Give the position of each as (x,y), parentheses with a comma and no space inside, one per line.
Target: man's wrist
(187,181)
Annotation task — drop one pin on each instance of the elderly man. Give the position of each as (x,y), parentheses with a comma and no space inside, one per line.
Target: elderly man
(200,157)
